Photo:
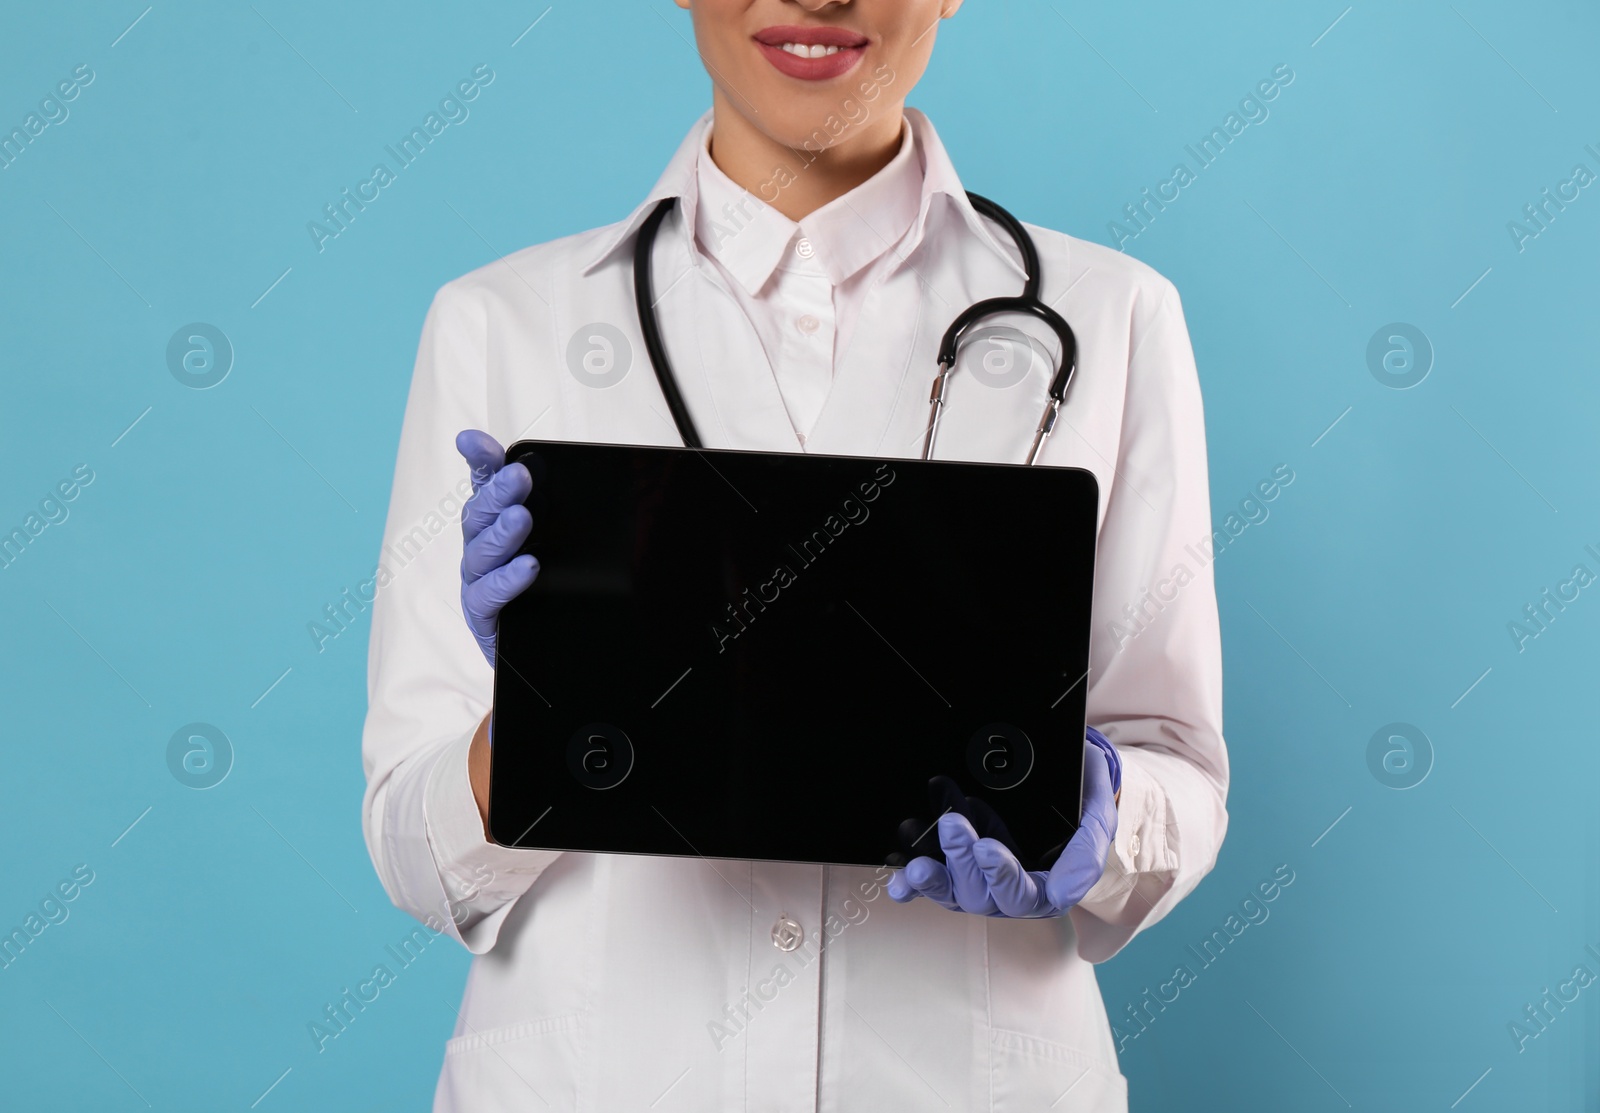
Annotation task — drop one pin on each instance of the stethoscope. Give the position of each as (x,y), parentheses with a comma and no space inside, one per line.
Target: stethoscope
(1027,302)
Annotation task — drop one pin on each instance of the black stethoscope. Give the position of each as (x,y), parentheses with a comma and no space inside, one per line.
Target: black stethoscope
(1027,302)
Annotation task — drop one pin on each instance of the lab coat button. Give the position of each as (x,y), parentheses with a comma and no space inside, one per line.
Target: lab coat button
(1133,845)
(804,248)
(807,324)
(786,934)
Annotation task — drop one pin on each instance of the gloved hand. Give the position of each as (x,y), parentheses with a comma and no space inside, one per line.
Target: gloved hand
(494,524)
(981,876)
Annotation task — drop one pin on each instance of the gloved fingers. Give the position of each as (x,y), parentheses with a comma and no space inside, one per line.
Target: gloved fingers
(1081,865)
(1015,891)
(970,888)
(947,796)
(482,600)
(510,486)
(1099,798)
(923,877)
(496,544)
(483,454)
(1105,746)
(1085,858)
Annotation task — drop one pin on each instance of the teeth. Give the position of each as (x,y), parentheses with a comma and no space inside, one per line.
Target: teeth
(799,50)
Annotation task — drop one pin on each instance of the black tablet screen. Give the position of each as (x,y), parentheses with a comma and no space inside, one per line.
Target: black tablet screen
(792,657)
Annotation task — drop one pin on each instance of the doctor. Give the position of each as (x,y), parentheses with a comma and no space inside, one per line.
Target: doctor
(820,244)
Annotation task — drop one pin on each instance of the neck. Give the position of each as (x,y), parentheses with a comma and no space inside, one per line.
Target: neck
(804,180)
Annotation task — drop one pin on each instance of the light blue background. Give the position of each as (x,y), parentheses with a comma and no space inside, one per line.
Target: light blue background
(224,520)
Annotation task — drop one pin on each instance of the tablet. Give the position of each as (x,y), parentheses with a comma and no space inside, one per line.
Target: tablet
(792,657)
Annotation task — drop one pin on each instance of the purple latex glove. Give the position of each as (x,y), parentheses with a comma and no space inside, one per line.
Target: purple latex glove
(494,524)
(982,877)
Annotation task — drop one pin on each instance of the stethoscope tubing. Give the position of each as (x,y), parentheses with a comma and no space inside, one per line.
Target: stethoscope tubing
(644,299)
(1027,302)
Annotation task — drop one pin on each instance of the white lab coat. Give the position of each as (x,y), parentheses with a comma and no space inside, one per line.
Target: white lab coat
(610,982)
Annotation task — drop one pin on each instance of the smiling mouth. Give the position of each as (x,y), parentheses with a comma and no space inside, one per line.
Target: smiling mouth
(811,53)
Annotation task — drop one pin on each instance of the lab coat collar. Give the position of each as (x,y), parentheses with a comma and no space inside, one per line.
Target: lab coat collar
(752,239)
(939,181)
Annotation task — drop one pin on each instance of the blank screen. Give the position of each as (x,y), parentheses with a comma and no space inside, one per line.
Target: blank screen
(771,655)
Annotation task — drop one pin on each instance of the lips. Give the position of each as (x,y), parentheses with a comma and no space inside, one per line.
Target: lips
(811,53)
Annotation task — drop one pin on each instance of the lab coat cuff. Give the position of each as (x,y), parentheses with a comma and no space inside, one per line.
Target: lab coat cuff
(481,878)
(1140,845)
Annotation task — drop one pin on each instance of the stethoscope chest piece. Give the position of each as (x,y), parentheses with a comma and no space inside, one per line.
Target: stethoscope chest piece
(1029,303)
